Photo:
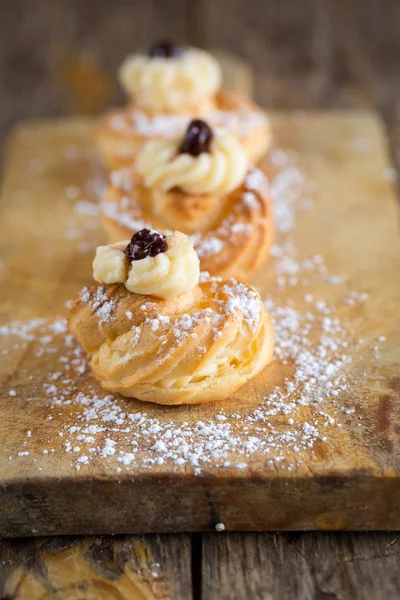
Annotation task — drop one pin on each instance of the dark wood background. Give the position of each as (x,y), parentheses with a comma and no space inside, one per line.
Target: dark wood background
(58,57)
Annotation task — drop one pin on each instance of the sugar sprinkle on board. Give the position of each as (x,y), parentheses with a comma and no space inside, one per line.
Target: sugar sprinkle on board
(323,285)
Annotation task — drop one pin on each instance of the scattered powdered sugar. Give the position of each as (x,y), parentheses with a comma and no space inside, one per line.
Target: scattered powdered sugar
(319,367)
(121,179)
(84,294)
(244,300)
(84,207)
(242,121)
(256,181)
(21,329)
(77,202)
(304,404)
(239,300)
(149,125)
(127,212)
(250,199)
(100,303)
(208,246)
(93,425)
(289,189)
(122,212)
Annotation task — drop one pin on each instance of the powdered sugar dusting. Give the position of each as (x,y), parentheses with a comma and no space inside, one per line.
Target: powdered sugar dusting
(242,121)
(124,213)
(92,425)
(241,299)
(306,398)
(207,247)
(128,213)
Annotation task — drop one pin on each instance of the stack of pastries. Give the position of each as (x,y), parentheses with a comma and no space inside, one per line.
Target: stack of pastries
(171,319)
(168,86)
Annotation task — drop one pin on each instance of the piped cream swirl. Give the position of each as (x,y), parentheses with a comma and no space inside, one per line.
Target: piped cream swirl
(219,171)
(165,275)
(110,264)
(171,84)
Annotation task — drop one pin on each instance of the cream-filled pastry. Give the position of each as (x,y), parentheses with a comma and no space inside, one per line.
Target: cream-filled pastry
(178,341)
(162,266)
(170,78)
(201,183)
(167,86)
(203,162)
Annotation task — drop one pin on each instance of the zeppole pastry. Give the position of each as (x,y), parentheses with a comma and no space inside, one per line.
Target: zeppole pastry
(199,182)
(155,333)
(169,85)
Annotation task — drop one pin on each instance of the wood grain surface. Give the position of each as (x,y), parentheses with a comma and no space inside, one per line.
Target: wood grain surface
(315,54)
(302,566)
(120,567)
(323,566)
(325,54)
(324,483)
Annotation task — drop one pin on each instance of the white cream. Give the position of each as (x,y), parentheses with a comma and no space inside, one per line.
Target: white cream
(110,264)
(166,275)
(171,84)
(218,171)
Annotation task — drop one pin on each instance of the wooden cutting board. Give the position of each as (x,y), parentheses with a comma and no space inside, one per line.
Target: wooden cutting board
(312,443)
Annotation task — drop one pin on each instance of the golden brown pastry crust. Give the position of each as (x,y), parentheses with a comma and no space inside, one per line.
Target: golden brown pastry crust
(123,132)
(199,347)
(231,234)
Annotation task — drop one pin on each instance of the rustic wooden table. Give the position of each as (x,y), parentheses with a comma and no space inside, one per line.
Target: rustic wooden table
(59,57)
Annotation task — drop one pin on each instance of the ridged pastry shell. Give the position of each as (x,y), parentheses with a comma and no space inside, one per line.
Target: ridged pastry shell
(232,234)
(122,132)
(198,347)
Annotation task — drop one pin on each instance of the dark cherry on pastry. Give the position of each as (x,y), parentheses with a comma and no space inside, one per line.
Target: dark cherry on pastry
(198,138)
(165,50)
(145,243)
